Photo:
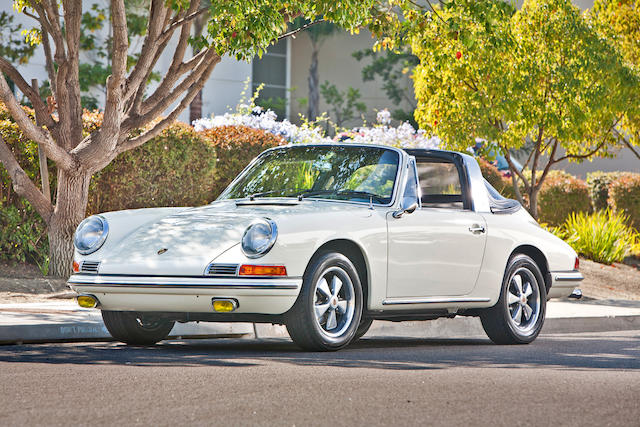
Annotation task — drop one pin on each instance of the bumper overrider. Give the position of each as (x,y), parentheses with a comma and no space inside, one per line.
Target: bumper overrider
(270,296)
(565,284)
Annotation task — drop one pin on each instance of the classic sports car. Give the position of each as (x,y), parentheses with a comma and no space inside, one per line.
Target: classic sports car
(326,238)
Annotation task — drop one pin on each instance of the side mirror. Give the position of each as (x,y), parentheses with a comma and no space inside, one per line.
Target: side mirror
(409,209)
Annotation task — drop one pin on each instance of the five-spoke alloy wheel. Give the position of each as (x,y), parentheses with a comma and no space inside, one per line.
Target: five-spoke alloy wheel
(518,316)
(328,310)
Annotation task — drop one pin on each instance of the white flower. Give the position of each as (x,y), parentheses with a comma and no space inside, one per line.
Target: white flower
(404,136)
(383,117)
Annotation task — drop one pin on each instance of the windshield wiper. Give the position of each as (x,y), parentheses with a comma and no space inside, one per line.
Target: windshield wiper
(362,194)
(265,193)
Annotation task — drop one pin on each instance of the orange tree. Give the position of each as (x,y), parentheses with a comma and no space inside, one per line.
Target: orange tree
(540,76)
(131,107)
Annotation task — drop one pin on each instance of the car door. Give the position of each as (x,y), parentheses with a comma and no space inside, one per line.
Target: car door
(436,250)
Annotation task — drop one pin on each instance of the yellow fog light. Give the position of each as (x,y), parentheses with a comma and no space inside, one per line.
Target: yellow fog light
(87,301)
(224,305)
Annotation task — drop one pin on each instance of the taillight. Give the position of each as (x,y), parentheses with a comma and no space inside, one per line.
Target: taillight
(576,265)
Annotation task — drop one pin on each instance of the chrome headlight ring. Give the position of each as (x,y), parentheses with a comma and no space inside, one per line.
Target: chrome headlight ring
(91,234)
(259,238)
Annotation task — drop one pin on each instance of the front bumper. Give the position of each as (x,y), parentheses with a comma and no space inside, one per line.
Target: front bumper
(563,283)
(188,294)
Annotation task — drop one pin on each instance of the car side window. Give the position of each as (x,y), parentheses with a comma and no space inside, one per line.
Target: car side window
(411,190)
(440,184)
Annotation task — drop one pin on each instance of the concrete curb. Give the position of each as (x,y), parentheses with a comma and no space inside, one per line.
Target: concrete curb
(65,322)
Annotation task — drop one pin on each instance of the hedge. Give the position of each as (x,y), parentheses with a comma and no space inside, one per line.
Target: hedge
(624,197)
(562,194)
(598,183)
(176,168)
(235,147)
(495,178)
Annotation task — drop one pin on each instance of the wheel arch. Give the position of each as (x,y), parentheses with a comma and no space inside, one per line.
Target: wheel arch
(356,255)
(540,259)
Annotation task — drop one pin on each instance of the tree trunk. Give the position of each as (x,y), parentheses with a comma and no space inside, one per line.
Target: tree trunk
(72,196)
(533,202)
(314,89)
(195,108)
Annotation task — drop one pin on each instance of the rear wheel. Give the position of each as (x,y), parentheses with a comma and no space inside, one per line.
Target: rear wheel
(518,316)
(328,310)
(135,328)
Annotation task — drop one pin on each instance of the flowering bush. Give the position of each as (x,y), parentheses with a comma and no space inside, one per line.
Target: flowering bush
(404,136)
(257,118)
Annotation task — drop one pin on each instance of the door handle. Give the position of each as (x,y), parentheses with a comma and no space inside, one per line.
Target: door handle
(476,229)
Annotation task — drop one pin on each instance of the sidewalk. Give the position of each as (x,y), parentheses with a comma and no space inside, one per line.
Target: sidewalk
(65,321)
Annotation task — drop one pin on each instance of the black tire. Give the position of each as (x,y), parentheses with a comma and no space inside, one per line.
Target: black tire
(363,328)
(135,329)
(500,322)
(304,327)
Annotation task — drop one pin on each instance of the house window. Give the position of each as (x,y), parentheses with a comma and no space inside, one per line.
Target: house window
(272,70)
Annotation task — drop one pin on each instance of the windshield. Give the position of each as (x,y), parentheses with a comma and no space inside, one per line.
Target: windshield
(327,172)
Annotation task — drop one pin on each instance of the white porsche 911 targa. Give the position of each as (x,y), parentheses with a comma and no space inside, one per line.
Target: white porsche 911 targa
(324,239)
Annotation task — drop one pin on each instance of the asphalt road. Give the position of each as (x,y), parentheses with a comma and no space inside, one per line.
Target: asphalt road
(580,379)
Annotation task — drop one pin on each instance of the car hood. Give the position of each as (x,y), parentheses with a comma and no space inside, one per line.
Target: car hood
(184,243)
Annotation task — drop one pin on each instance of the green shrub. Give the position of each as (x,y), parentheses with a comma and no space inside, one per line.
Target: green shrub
(495,178)
(598,183)
(624,197)
(235,147)
(23,236)
(175,168)
(561,195)
(603,236)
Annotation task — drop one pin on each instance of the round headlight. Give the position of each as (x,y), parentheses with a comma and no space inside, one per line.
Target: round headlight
(259,238)
(91,234)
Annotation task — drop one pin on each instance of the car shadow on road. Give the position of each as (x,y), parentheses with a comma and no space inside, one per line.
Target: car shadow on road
(581,351)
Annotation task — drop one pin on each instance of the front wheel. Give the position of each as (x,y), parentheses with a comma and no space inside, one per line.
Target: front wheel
(136,329)
(327,312)
(518,316)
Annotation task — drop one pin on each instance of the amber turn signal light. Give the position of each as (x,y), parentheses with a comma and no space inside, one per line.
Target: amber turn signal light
(76,267)
(87,301)
(224,305)
(262,270)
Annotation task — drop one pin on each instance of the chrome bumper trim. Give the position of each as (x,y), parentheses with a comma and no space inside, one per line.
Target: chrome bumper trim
(397,301)
(567,276)
(182,282)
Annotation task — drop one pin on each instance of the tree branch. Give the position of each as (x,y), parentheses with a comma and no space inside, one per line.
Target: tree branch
(166,34)
(150,46)
(32,131)
(209,57)
(173,73)
(297,30)
(113,110)
(162,124)
(550,162)
(39,106)
(23,185)
(514,169)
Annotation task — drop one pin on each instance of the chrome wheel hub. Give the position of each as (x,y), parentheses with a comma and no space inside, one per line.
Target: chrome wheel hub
(334,302)
(523,300)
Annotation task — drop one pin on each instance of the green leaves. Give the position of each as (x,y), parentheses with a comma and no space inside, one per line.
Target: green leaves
(603,236)
(245,29)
